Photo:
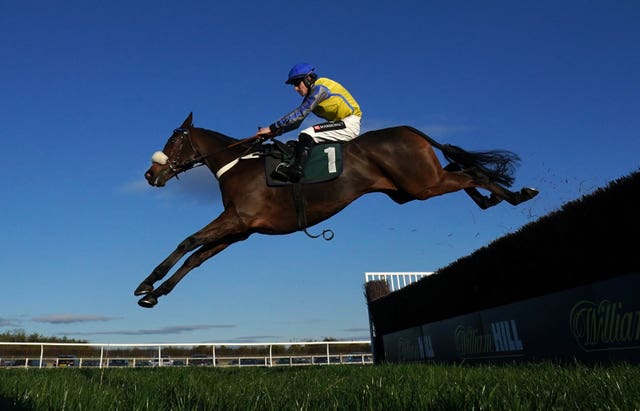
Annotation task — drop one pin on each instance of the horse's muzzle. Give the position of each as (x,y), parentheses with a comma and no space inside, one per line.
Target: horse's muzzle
(154,176)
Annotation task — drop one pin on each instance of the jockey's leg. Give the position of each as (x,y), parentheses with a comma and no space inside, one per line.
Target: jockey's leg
(303,149)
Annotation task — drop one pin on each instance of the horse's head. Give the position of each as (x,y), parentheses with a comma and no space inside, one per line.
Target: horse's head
(178,155)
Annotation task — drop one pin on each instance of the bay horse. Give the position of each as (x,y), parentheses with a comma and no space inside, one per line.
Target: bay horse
(398,161)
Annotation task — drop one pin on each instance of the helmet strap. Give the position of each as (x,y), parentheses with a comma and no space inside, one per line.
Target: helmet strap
(308,80)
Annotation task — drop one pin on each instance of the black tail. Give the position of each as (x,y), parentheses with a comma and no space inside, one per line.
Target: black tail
(497,165)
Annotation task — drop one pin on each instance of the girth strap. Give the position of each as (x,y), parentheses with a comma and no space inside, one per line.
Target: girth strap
(301,214)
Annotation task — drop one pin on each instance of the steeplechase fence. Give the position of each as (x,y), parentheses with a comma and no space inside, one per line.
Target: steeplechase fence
(561,288)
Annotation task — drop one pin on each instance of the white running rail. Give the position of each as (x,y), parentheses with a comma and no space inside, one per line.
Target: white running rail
(105,354)
(396,280)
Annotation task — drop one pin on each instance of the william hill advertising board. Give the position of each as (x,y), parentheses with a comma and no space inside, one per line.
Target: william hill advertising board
(598,322)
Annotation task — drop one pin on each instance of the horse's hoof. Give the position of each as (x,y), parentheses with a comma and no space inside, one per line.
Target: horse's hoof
(143,289)
(528,193)
(148,301)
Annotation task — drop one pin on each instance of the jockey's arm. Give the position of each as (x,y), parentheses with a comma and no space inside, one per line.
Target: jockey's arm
(293,120)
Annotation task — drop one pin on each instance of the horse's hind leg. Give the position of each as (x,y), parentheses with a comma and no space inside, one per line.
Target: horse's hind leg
(498,192)
(481,200)
(512,197)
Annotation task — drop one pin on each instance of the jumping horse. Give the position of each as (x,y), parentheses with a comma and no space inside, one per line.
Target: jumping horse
(398,161)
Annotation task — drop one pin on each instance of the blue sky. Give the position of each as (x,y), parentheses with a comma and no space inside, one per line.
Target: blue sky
(89,91)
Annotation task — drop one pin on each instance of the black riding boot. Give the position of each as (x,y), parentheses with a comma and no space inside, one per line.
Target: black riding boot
(294,170)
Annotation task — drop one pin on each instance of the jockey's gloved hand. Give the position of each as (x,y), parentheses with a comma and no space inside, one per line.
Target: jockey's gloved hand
(265,133)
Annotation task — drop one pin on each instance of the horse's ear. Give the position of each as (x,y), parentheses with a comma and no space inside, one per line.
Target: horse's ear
(188,122)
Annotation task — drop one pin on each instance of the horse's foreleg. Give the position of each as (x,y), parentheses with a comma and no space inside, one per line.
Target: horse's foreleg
(215,237)
(187,245)
(194,260)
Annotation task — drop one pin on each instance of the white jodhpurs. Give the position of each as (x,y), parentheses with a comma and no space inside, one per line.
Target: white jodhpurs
(344,130)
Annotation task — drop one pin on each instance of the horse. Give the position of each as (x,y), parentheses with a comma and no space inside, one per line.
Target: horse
(398,161)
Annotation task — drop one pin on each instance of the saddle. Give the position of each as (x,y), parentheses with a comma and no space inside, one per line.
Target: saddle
(324,163)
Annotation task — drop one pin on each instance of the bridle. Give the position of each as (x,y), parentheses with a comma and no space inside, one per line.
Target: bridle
(176,165)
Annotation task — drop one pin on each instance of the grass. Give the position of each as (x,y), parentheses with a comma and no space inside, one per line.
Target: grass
(542,386)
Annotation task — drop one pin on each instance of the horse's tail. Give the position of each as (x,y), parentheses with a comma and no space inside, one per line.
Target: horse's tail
(497,165)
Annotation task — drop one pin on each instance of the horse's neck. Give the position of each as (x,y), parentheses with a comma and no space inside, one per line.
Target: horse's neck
(219,138)
(217,148)
(213,142)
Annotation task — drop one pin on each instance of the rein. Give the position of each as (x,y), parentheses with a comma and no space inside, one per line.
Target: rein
(178,168)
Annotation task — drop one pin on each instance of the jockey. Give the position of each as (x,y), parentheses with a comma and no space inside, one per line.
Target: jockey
(325,98)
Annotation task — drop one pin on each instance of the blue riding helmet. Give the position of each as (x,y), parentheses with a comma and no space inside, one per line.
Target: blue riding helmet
(299,71)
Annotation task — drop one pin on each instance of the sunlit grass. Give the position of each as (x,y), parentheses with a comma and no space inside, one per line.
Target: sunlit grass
(345,387)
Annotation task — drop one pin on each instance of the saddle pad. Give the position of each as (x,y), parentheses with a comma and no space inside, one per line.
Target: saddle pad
(324,164)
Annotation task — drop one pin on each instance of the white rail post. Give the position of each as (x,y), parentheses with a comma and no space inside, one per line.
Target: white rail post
(328,359)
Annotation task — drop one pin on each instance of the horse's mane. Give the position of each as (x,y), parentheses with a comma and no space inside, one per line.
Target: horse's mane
(216,135)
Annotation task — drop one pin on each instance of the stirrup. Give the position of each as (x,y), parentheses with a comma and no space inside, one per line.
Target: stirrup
(278,174)
(293,171)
